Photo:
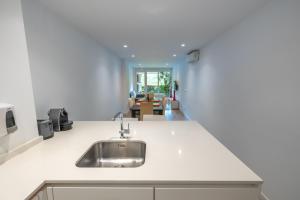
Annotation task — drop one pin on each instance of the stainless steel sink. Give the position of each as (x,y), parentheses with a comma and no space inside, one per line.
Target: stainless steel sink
(114,154)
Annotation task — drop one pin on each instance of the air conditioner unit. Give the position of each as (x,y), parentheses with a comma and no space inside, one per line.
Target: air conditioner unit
(193,56)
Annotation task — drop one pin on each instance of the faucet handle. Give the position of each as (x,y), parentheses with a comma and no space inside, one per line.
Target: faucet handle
(121,124)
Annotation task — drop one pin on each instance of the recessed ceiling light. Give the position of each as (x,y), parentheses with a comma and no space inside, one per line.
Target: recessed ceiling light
(140,64)
(174,55)
(167,64)
(183,45)
(132,56)
(125,46)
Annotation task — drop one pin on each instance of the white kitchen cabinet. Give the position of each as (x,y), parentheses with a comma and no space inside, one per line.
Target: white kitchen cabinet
(35,198)
(42,195)
(102,193)
(206,194)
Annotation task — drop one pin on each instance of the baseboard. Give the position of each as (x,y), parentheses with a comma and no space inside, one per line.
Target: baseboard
(263,197)
(20,149)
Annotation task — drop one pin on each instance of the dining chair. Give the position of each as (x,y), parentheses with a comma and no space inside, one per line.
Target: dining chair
(164,104)
(146,108)
(154,118)
(151,96)
(131,103)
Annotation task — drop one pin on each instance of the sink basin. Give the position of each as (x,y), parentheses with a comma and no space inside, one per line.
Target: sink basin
(120,154)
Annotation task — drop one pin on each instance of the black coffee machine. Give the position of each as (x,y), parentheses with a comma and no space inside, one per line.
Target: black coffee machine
(60,120)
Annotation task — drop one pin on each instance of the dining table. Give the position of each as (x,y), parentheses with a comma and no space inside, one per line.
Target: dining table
(146,100)
(136,109)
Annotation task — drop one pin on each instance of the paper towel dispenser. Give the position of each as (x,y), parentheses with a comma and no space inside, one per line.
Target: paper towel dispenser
(7,119)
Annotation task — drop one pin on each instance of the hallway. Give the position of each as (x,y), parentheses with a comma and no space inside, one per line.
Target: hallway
(175,115)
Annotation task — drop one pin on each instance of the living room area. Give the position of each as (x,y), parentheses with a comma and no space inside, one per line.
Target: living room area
(153,93)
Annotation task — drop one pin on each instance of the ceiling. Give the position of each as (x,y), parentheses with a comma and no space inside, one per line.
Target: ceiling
(153,29)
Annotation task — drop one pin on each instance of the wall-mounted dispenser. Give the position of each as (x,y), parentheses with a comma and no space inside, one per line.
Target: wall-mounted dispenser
(7,119)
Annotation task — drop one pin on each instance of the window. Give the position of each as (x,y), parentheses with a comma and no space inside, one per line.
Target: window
(165,82)
(152,78)
(153,81)
(140,83)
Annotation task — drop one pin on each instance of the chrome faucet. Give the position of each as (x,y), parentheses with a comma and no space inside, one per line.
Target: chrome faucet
(123,131)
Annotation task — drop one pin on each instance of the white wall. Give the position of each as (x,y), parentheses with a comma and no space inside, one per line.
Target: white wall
(246,91)
(15,78)
(69,69)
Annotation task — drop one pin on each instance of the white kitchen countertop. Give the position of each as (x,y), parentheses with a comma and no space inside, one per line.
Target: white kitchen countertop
(176,151)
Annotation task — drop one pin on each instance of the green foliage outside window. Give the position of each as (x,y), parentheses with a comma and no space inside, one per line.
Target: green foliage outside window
(164,82)
(157,82)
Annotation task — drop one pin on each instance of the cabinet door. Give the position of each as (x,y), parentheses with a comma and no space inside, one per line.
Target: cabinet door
(206,194)
(35,198)
(42,195)
(102,193)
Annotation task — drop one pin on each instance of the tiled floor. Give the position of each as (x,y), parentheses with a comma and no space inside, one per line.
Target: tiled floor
(175,115)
